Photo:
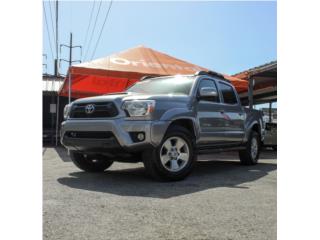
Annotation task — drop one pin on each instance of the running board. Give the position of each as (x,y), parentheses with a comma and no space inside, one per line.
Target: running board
(216,149)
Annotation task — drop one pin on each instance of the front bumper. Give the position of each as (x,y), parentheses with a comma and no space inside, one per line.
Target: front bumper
(119,139)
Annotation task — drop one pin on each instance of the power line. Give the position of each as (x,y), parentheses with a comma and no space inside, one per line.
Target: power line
(45,17)
(91,14)
(94,26)
(105,20)
(53,30)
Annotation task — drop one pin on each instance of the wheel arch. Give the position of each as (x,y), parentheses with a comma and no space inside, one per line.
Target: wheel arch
(255,126)
(187,123)
(160,129)
(159,133)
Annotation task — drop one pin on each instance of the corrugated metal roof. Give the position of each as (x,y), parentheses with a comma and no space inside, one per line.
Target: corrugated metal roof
(263,67)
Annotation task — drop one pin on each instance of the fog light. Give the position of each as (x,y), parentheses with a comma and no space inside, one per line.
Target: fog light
(140,136)
(137,136)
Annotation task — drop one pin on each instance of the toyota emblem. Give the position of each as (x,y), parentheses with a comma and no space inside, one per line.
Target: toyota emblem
(89,109)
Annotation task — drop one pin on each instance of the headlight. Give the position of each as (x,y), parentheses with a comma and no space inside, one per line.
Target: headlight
(66,111)
(139,108)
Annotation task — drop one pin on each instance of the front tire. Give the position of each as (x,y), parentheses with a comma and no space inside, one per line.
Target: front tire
(174,158)
(250,155)
(90,163)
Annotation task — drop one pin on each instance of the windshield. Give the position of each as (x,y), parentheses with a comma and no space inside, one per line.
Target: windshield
(177,85)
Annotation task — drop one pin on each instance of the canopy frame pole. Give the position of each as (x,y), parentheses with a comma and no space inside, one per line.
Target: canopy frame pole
(69,88)
(57,121)
(250,92)
(70,63)
(270,112)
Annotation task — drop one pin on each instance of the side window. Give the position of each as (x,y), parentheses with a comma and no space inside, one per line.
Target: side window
(228,94)
(211,84)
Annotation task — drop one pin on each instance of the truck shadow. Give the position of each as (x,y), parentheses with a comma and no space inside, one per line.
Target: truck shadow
(63,153)
(265,154)
(135,182)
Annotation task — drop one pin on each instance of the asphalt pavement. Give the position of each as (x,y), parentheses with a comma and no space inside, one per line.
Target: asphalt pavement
(220,200)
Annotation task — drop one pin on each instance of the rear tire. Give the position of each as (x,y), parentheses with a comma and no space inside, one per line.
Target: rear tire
(250,155)
(90,163)
(174,158)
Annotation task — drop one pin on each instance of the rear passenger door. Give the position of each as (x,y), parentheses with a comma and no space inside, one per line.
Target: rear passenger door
(232,112)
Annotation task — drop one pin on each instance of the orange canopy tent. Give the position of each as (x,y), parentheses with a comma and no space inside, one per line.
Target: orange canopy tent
(118,71)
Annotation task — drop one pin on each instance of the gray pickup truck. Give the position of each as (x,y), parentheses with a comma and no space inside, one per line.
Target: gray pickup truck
(165,122)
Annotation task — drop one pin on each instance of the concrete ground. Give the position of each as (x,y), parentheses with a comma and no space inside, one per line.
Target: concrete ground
(220,200)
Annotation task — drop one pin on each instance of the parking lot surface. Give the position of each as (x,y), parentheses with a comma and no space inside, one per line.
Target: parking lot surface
(220,200)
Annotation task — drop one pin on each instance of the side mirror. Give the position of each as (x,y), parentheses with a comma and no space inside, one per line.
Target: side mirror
(207,92)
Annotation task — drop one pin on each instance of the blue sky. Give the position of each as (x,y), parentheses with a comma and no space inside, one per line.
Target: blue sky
(227,37)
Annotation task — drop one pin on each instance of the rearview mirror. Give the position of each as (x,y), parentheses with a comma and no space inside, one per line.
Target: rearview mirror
(206,92)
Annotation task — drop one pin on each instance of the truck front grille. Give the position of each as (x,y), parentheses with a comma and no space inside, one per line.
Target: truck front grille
(100,110)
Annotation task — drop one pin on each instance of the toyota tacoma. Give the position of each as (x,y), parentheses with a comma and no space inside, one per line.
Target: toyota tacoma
(165,122)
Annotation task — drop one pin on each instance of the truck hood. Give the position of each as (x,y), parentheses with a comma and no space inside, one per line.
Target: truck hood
(120,97)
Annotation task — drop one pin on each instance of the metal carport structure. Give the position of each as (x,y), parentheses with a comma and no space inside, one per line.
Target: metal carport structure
(262,84)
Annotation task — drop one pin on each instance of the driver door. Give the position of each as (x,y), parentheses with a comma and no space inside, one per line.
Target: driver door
(211,121)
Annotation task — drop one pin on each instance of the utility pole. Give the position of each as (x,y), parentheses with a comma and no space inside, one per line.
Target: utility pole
(56,68)
(57,40)
(70,61)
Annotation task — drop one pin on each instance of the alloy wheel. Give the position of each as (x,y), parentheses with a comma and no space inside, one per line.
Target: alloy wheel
(254,148)
(174,154)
